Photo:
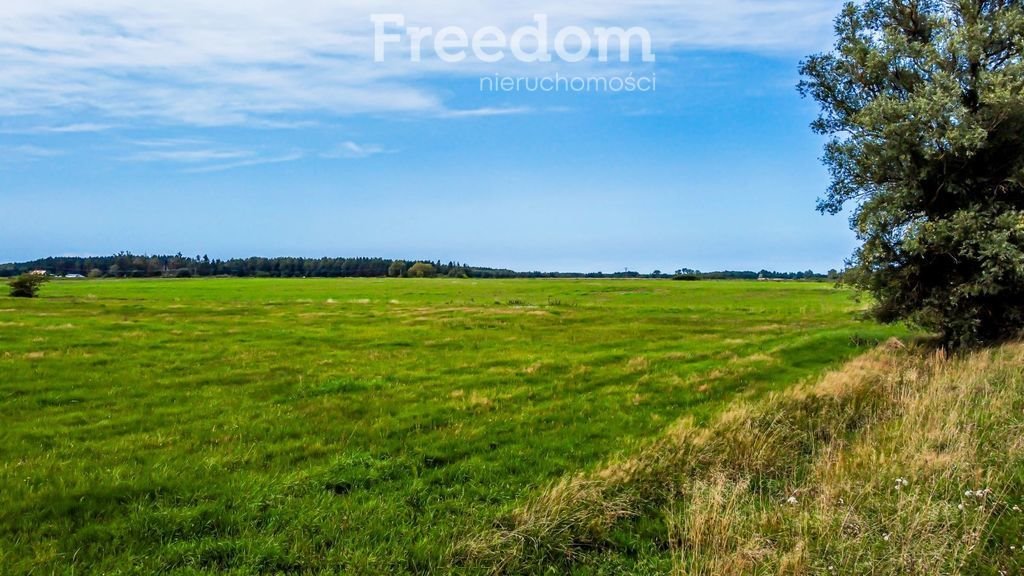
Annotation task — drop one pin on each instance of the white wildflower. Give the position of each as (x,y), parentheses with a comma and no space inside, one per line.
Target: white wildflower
(792,501)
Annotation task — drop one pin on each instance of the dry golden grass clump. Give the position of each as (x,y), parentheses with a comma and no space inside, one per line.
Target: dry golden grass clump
(902,462)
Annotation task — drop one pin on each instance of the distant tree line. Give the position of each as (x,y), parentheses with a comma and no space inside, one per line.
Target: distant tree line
(690,274)
(127,265)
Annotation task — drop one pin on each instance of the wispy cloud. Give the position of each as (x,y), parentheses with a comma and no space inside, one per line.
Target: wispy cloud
(83,128)
(163,143)
(27,152)
(188,156)
(269,61)
(289,157)
(485,112)
(353,150)
(200,156)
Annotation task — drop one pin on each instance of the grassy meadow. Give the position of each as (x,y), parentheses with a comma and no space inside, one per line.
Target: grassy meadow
(372,426)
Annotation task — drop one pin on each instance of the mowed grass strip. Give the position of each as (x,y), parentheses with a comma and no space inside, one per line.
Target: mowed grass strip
(358,426)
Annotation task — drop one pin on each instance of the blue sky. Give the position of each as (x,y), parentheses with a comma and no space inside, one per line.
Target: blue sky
(267,128)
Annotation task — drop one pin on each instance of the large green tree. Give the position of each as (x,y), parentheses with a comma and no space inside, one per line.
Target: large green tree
(923,102)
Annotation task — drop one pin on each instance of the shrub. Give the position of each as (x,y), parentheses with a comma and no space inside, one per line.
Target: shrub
(27,285)
(421,270)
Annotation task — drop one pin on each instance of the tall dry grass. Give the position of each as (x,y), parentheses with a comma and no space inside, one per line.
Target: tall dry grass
(899,463)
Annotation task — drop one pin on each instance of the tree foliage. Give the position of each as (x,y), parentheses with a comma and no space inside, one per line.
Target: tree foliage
(27,285)
(923,101)
(397,269)
(421,270)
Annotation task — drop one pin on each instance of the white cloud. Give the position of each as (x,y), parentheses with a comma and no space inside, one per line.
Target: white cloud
(289,157)
(485,112)
(183,151)
(27,152)
(76,128)
(265,62)
(352,150)
(198,156)
(82,128)
(188,156)
(169,142)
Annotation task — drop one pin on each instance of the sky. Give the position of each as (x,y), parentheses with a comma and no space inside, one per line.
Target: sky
(274,128)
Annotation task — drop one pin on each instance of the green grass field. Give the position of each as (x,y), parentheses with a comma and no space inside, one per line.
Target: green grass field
(360,426)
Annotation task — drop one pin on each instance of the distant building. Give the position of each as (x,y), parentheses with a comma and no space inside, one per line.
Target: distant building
(39,273)
(73,276)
